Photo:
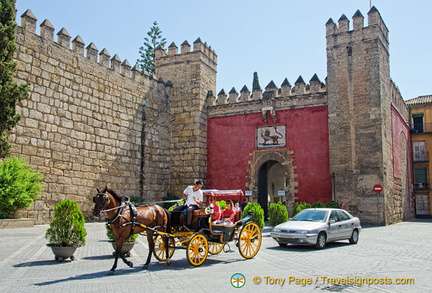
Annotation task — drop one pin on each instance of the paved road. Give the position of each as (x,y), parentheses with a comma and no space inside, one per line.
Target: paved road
(400,252)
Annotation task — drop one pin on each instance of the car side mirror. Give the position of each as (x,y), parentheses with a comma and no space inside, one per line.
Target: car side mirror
(332,221)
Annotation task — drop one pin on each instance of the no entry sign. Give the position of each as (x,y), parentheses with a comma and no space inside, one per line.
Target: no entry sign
(377,188)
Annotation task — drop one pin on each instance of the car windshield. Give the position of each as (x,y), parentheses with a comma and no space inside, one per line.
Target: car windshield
(311,216)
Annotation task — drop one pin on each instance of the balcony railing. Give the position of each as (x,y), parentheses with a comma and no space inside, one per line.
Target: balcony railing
(421,128)
(421,157)
(419,186)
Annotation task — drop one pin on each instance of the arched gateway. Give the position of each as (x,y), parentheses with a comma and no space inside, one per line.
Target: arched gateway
(271,174)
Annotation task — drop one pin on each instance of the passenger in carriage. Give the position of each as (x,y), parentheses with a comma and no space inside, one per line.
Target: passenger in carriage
(216,215)
(243,204)
(228,215)
(193,197)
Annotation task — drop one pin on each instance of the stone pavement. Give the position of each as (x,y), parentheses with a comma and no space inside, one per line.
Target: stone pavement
(403,250)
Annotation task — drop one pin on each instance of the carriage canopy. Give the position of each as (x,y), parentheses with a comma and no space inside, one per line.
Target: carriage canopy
(235,195)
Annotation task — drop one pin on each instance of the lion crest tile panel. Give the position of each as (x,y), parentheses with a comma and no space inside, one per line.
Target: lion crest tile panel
(271,136)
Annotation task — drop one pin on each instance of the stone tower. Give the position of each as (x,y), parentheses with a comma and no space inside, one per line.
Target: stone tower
(193,77)
(360,105)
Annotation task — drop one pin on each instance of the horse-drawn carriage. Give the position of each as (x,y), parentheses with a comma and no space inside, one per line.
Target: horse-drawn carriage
(207,237)
(166,231)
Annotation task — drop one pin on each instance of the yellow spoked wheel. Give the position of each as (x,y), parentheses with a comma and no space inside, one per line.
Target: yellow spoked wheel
(249,241)
(159,248)
(197,250)
(215,248)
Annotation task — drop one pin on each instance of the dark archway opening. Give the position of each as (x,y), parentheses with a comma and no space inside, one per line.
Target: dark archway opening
(270,179)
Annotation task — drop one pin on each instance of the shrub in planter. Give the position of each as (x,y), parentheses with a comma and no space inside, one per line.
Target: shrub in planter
(127,245)
(67,226)
(66,231)
(258,213)
(332,204)
(221,204)
(298,207)
(110,235)
(318,205)
(20,185)
(176,205)
(278,213)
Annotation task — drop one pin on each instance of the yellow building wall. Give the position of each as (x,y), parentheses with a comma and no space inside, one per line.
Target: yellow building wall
(426,136)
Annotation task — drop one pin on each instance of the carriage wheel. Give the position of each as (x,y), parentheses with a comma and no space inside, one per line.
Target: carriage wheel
(215,248)
(159,248)
(249,241)
(197,250)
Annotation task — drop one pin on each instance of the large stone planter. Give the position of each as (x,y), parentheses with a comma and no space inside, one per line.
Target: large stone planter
(63,252)
(126,248)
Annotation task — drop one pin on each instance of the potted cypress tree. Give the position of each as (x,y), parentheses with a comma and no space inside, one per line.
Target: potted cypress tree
(278,213)
(127,245)
(66,232)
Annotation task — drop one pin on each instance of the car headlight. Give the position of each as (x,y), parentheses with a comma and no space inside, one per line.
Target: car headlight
(276,230)
(303,231)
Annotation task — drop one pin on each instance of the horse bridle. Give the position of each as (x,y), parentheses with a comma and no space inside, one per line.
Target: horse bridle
(105,200)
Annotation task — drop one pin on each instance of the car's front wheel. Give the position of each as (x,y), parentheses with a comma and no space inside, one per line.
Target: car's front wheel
(321,241)
(354,237)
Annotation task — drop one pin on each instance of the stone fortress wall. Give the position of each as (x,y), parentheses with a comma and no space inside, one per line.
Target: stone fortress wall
(90,121)
(368,121)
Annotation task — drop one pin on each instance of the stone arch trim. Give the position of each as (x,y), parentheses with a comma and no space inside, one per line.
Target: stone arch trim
(284,157)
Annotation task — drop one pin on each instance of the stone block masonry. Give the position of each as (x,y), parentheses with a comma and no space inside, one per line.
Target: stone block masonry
(193,74)
(88,123)
(93,121)
(367,121)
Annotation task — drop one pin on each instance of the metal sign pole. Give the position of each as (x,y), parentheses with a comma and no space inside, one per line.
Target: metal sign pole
(377,189)
(378,210)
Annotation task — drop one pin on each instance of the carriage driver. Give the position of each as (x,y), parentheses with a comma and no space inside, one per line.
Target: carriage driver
(193,197)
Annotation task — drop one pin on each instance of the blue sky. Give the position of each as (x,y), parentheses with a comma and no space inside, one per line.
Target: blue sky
(277,38)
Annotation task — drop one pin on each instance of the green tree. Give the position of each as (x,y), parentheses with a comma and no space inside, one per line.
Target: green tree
(10,92)
(258,213)
(147,52)
(332,204)
(298,207)
(255,82)
(67,226)
(278,213)
(221,204)
(20,185)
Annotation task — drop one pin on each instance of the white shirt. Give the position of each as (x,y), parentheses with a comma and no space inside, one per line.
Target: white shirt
(191,195)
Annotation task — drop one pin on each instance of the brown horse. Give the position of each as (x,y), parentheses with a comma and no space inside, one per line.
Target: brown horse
(125,220)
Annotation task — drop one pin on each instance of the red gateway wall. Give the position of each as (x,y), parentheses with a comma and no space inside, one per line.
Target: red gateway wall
(231,139)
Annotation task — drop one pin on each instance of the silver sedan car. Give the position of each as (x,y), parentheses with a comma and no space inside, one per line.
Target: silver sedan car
(318,227)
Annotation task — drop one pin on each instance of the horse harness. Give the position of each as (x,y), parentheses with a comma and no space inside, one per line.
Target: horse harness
(134,214)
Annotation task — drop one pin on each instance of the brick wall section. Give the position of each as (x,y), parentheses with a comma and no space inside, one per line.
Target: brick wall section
(88,124)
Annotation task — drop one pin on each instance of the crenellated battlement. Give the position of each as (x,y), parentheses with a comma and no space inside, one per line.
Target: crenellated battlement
(92,120)
(200,52)
(91,52)
(341,33)
(299,90)
(185,48)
